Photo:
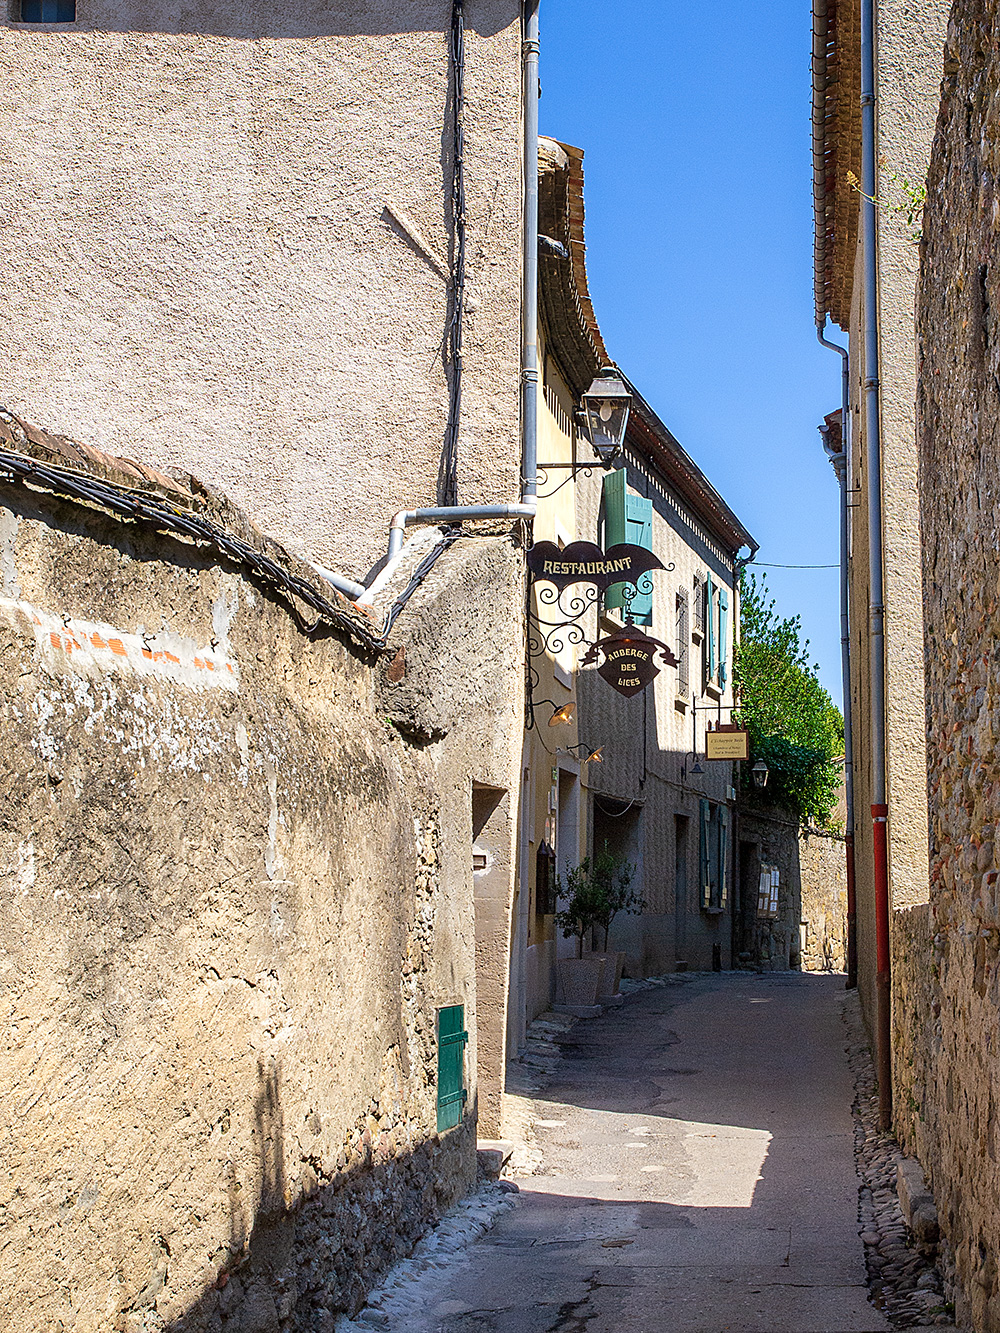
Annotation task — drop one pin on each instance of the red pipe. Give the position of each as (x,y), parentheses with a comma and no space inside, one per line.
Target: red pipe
(883,1035)
(852,915)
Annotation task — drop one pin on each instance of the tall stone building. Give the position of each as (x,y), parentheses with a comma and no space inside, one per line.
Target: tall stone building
(907,71)
(229,245)
(649,797)
(950,1006)
(261,274)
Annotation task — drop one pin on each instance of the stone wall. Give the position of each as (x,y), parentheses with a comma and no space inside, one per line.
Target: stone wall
(237,876)
(947,990)
(809,932)
(227,246)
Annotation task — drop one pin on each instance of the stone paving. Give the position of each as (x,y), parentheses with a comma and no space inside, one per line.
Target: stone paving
(694,1172)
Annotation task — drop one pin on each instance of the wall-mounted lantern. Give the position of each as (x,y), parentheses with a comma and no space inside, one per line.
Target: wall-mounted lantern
(604,415)
(760,773)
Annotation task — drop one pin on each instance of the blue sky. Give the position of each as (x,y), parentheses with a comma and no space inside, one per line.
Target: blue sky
(695,124)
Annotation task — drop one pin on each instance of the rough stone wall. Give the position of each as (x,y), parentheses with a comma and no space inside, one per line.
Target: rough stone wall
(237,877)
(226,245)
(823,871)
(809,933)
(948,959)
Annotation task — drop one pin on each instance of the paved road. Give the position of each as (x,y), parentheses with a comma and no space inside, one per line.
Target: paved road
(697,1176)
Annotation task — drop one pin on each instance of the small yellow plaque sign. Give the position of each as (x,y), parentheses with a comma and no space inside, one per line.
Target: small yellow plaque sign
(727,745)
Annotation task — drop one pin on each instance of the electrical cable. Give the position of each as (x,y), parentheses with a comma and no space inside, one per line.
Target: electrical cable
(141,506)
(449,455)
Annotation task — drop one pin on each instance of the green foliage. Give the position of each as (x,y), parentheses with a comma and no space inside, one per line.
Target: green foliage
(598,890)
(909,202)
(794,725)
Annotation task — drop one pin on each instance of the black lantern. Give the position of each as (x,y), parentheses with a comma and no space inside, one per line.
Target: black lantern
(760,771)
(604,414)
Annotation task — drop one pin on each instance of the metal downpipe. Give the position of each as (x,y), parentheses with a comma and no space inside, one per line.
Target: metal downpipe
(841,466)
(529,324)
(876,607)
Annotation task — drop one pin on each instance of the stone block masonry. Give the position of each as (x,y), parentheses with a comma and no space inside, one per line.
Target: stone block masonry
(235,895)
(947,955)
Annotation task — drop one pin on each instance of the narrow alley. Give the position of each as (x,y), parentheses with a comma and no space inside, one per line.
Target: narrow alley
(697,1175)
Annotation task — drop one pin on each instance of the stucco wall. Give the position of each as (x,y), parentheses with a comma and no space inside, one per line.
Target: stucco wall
(909,43)
(952,963)
(202,261)
(238,884)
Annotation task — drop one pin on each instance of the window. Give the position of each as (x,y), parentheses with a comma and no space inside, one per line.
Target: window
(683,643)
(698,602)
(452,1038)
(715,619)
(48,11)
(713,846)
(628,518)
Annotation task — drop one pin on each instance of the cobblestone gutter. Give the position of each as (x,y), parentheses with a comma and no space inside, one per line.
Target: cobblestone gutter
(904,1268)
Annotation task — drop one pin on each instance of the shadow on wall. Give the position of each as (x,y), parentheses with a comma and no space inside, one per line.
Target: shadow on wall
(255,21)
(311,1251)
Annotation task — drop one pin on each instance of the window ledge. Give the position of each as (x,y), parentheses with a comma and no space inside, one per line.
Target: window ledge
(713,692)
(713,911)
(681,704)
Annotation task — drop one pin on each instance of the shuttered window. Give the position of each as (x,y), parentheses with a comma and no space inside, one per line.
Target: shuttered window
(683,643)
(710,647)
(704,851)
(722,871)
(698,603)
(723,638)
(628,518)
(714,854)
(452,1039)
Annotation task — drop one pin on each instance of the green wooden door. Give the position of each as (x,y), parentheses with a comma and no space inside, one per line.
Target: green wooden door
(452,1037)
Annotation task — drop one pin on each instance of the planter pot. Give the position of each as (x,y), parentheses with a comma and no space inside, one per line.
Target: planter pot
(580,979)
(613,964)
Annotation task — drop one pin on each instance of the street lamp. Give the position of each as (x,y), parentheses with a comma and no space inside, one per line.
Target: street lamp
(760,771)
(604,414)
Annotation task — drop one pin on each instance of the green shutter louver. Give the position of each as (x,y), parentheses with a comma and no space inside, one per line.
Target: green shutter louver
(704,858)
(628,518)
(723,637)
(613,493)
(710,625)
(452,1038)
(639,531)
(722,877)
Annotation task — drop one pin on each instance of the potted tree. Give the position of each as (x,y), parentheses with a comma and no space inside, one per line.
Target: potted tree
(579,978)
(597,889)
(612,876)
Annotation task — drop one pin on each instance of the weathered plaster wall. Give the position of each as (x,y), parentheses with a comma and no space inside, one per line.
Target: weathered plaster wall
(949,959)
(226,241)
(237,877)
(909,42)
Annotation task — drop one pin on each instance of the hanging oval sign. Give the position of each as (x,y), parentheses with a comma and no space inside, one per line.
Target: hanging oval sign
(585,562)
(629,663)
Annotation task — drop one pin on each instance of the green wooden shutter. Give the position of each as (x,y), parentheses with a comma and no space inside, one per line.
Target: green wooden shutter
(704,858)
(451,1094)
(639,531)
(723,875)
(710,624)
(723,637)
(615,527)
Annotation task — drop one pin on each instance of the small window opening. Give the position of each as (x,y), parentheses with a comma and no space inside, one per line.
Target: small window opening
(48,11)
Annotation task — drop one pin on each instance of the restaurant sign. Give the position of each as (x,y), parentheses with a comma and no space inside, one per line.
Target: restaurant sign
(629,663)
(585,562)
